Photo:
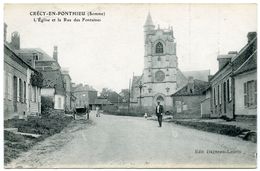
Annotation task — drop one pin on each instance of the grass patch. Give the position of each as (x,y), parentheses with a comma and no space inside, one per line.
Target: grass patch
(46,126)
(229,130)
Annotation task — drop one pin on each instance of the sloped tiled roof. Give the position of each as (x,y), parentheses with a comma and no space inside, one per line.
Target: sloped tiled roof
(81,87)
(181,79)
(53,79)
(102,101)
(199,87)
(199,75)
(9,47)
(248,65)
(43,57)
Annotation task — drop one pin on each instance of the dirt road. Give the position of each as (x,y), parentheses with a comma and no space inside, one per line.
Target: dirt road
(117,141)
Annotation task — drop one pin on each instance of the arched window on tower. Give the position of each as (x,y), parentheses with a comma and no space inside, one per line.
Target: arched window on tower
(159,48)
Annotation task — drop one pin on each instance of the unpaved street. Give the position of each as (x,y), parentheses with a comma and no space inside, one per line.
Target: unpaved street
(117,141)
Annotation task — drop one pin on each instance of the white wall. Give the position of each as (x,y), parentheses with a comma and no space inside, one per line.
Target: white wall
(47,91)
(59,101)
(240,109)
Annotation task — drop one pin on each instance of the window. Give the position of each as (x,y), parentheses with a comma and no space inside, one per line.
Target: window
(24,92)
(255,92)
(159,58)
(220,93)
(250,93)
(30,92)
(228,89)
(167,89)
(150,90)
(20,94)
(159,48)
(214,96)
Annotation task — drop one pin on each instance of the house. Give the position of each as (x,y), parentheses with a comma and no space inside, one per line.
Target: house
(54,85)
(186,101)
(102,102)
(228,82)
(22,83)
(205,103)
(53,88)
(68,98)
(85,95)
(245,80)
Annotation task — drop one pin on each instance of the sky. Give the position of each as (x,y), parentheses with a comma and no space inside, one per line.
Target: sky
(108,53)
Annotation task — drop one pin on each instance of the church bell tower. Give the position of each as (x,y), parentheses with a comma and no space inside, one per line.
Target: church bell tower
(160,65)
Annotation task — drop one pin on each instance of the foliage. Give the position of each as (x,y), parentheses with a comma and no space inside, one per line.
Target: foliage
(47,106)
(111,95)
(37,79)
(47,126)
(125,95)
(230,130)
(15,144)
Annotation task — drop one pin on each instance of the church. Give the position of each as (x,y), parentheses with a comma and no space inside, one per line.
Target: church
(161,76)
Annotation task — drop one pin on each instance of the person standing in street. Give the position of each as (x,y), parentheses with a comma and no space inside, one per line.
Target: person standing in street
(159,112)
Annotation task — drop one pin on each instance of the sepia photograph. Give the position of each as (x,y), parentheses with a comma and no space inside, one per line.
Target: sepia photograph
(120,85)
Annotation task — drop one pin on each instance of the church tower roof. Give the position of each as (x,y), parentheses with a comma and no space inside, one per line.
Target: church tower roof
(149,21)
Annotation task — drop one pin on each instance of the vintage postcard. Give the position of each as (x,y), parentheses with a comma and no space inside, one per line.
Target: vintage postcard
(130,85)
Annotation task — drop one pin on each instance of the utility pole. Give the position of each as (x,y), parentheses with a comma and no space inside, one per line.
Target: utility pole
(129,93)
(141,86)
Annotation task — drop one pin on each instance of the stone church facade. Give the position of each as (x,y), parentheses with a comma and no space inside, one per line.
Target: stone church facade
(161,76)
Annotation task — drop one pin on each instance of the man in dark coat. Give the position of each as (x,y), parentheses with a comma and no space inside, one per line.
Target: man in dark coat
(159,112)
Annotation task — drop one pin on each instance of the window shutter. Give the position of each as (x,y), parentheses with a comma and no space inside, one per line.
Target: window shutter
(245,95)
(255,92)
(230,91)
(214,96)
(24,92)
(220,93)
(18,88)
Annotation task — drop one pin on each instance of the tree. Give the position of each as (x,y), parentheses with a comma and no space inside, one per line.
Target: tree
(105,92)
(111,95)
(125,95)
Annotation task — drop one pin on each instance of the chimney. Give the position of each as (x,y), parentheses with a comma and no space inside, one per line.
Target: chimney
(190,87)
(233,52)
(55,53)
(5,31)
(250,36)
(224,59)
(15,40)
(209,77)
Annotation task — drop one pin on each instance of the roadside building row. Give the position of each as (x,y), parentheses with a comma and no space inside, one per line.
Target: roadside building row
(230,93)
(234,87)
(22,92)
(31,74)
